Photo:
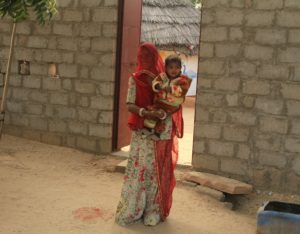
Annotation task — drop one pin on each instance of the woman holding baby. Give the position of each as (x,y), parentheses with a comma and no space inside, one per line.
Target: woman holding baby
(149,179)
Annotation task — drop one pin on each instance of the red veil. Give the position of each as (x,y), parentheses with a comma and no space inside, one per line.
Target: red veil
(166,151)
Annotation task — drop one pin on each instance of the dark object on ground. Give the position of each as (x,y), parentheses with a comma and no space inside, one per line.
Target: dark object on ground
(278,218)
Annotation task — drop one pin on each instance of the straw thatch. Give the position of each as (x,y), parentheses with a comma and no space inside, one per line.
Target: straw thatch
(171,24)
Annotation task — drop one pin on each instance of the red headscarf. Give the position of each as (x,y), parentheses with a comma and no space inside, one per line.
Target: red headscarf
(150,64)
(155,63)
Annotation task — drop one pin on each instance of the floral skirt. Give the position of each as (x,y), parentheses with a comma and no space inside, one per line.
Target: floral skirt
(139,201)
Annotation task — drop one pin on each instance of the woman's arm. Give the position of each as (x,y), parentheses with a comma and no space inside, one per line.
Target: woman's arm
(146,113)
(133,108)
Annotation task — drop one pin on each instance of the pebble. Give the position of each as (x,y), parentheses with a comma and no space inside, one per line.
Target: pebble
(228,205)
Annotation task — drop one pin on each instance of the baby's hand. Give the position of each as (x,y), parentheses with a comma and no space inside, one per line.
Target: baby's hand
(168,89)
(155,114)
(158,87)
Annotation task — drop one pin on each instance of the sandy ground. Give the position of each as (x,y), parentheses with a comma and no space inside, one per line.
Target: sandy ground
(186,143)
(48,189)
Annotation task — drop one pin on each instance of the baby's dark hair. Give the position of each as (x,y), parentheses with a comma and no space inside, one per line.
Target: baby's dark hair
(173,58)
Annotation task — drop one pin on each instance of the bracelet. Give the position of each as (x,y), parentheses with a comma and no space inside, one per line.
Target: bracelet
(164,117)
(141,112)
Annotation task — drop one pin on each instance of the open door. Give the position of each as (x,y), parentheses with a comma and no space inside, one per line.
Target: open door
(129,31)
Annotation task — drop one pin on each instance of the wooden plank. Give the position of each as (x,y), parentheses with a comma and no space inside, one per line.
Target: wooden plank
(220,183)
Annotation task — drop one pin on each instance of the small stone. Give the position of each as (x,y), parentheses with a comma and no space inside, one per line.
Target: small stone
(227,205)
(121,167)
(110,169)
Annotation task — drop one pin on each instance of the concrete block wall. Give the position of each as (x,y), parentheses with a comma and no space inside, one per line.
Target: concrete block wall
(248,101)
(75,110)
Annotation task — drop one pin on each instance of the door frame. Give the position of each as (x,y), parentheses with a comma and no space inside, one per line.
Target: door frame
(118,71)
(117,75)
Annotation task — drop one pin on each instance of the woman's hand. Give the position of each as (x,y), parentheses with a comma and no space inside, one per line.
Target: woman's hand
(155,114)
(151,114)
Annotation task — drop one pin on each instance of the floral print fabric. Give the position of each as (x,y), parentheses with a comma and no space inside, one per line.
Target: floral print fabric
(139,192)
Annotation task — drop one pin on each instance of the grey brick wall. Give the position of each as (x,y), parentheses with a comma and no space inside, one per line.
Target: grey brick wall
(76,109)
(248,100)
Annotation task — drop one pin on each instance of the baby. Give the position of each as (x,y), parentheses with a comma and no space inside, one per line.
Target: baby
(170,89)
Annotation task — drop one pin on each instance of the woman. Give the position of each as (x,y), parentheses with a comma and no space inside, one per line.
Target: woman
(149,179)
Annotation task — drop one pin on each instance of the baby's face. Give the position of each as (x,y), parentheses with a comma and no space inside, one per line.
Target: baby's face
(173,70)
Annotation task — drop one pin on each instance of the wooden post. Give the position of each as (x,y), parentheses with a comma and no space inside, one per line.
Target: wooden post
(6,80)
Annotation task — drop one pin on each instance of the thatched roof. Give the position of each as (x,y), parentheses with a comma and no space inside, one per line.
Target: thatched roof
(171,24)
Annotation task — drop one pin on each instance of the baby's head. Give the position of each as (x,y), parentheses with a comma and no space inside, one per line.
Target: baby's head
(173,66)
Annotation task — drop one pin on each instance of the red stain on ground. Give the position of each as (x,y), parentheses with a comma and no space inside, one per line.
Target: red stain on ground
(91,214)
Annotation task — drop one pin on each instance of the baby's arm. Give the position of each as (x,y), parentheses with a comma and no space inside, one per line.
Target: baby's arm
(157,84)
(180,86)
(176,90)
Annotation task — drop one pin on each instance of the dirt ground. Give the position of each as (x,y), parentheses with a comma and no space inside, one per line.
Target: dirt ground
(47,189)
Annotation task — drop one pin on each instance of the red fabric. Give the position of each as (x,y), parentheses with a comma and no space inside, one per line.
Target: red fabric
(154,62)
(166,154)
(178,123)
(150,64)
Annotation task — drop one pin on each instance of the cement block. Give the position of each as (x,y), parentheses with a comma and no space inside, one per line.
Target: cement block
(256,87)
(288,18)
(292,144)
(273,124)
(243,117)
(105,15)
(221,148)
(256,52)
(208,131)
(234,166)
(213,34)
(207,162)
(270,106)
(272,159)
(236,133)
(210,99)
(268,4)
